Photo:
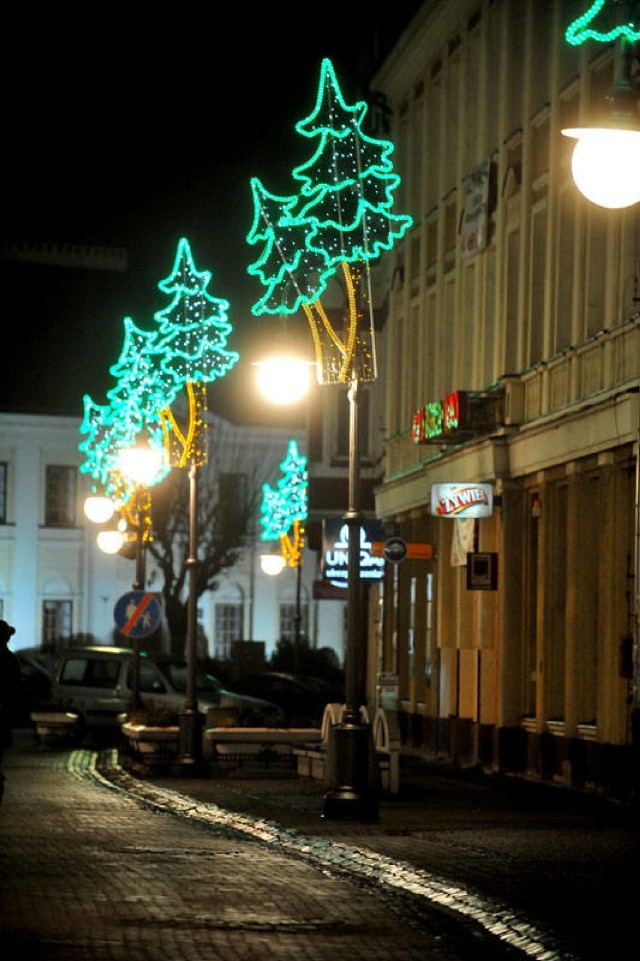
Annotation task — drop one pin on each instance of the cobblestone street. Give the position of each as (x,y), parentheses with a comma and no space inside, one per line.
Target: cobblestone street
(456,868)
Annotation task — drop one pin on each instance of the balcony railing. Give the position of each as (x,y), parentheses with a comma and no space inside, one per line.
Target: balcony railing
(600,366)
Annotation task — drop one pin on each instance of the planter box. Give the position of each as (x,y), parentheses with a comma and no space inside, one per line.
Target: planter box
(55,727)
(153,746)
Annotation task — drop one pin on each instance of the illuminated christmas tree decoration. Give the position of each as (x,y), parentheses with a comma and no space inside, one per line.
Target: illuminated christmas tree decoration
(284,509)
(338,222)
(193,343)
(292,274)
(143,388)
(194,327)
(188,351)
(581,29)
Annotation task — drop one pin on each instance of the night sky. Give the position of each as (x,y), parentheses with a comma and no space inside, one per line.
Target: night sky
(134,132)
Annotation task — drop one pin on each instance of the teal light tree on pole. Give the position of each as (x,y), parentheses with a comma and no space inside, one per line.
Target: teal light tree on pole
(337,220)
(284,512)
(186,352)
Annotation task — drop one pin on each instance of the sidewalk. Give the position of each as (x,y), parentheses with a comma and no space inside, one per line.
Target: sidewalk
(483,867)
(546,862)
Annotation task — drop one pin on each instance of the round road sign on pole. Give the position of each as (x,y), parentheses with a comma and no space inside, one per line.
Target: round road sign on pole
(137,614)
(395,550)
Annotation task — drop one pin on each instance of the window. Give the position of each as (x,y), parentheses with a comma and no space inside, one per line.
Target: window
(288,621)
(228,628)
(3,492)
(233,495)
(61,496)
(56,624)
(90,672)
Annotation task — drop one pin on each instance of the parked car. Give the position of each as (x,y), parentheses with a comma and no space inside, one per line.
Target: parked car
(97,683)
(301,697)
(36,667)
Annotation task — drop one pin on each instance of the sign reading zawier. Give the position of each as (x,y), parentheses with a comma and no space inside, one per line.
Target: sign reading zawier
(462,500)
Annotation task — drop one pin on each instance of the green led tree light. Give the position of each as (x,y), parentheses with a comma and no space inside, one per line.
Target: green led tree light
(592,25)
(284,508)
(142,389)
(339,221)
(194,327)
(193,343)
(187,351)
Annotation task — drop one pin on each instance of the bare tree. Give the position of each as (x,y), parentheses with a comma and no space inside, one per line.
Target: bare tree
(229,494)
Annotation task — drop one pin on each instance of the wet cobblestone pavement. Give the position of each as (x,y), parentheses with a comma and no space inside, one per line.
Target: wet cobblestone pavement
(96,862)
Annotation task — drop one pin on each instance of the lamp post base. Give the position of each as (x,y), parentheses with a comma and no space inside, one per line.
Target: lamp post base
(353,794)
(190,761)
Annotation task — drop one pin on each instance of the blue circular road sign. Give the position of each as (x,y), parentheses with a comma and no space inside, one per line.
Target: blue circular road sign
(395,550)
(137,614)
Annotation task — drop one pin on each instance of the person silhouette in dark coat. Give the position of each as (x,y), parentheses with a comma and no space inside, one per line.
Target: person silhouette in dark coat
(10,686)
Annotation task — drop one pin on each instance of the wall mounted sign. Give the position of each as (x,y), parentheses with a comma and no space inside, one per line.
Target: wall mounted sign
(462,500)
(440,417)
(459,416)
(335,551)
(475,215)
(482,571)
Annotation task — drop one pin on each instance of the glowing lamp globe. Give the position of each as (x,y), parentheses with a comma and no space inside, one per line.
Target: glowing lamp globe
(284,380)
(606,165)
(110,541)
(272,564)
(142,464)
(99,508)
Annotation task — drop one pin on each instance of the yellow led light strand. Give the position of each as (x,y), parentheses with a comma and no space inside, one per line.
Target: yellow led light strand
(352,327)
(292,546)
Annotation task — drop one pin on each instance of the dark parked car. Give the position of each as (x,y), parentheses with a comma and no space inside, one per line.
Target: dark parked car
(301,697)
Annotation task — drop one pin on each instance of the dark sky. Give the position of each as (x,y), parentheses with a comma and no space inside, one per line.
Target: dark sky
(134,125)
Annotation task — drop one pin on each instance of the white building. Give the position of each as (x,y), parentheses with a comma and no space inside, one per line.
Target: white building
(57,586)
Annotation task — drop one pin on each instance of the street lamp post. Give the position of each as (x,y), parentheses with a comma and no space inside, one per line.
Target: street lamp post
(353,793)
(284,511)
(272,565)
(142,520)
(310,244)
(351,760)
(606,156)
(191,719)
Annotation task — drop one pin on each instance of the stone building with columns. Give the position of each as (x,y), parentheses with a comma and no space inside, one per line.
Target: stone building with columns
(513,314)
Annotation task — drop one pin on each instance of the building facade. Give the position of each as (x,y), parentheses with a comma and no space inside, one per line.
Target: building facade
(57,587)
(513,314)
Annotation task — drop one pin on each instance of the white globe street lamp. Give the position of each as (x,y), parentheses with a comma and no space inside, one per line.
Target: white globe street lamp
(99,508)
(606,165)
(110,541)
(284,380)
(272,564)
(606,158)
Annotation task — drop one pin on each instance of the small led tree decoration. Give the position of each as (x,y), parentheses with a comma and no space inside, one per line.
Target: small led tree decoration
(192,341)
(606,157)
(284,511)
